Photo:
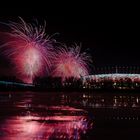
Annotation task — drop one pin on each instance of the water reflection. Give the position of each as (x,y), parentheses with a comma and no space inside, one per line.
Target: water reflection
(30,127)
(46,116)
(91,100)
(35,117)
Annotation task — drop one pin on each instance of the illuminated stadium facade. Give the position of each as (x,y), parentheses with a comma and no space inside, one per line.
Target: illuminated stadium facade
(114,76)
(115,79)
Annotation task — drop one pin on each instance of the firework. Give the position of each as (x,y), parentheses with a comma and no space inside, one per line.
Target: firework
(70,62)
(29,49)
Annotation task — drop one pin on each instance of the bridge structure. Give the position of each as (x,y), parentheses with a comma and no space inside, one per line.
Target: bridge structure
(14,84)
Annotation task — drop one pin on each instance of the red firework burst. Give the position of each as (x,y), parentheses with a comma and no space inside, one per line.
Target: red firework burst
(29,49)
(70,62)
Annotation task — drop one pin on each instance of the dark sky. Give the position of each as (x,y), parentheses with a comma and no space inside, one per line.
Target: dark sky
(111,40)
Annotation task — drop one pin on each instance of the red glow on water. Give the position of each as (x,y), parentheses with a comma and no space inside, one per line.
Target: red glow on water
(49,127)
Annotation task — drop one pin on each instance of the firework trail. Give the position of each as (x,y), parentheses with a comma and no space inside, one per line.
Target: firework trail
(70,62)
(29,49)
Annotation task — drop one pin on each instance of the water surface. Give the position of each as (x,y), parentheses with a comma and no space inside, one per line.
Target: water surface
(68,116)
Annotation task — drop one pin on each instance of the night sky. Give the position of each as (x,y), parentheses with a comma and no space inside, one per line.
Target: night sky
(111,40)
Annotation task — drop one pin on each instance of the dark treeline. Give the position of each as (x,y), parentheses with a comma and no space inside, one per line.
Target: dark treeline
(69,84)
(57,84)
(75,84)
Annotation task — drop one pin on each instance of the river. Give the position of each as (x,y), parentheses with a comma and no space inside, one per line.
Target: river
(68,116)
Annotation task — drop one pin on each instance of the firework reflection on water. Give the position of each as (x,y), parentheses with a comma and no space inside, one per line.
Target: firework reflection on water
(35,127)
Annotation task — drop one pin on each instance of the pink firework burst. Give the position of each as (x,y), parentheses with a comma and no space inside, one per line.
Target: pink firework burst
(29,49)
(70,62)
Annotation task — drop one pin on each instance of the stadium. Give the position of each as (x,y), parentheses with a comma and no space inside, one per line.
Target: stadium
(115,79)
